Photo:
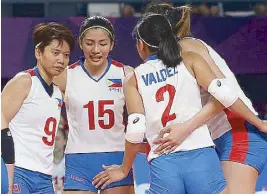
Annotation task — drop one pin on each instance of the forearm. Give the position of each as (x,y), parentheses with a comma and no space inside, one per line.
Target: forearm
(244,112)
(211,109)
(10,171)
(131,151)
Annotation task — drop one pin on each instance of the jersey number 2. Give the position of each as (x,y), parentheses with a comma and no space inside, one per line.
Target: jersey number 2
(50,121)
(166,117)
(101,112)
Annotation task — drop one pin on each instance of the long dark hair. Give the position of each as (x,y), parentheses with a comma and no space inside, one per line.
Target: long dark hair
(156,32)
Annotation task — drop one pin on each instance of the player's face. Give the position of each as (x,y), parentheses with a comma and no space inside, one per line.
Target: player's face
(96,45)
(60,142)
(55,57)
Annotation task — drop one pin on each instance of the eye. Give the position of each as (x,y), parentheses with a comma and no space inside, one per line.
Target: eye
(89,44)
(67,55)
(103,44)
(55,53)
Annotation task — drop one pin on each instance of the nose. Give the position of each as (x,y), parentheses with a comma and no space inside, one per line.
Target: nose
(96,48)
(60,59)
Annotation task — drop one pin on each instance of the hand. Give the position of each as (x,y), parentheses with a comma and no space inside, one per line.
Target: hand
(171,137)
(110,175)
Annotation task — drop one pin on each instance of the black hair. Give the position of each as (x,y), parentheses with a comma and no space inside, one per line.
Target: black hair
(156,32)
(45,33)
(97,22)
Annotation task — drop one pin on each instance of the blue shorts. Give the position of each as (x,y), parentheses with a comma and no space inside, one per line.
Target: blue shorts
(4,178)
(81,168)
(187,172)
(31,182)
(243,144)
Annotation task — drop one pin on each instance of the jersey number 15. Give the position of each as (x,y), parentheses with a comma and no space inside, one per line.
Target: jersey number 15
(101,113)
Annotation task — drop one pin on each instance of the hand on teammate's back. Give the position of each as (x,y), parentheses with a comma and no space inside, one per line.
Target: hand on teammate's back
(171,137)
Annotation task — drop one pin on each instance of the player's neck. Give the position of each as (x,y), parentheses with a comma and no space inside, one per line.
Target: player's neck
(48,79)
(96,71)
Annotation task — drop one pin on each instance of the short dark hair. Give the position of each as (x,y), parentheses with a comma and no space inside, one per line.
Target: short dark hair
(45,33)
(97,22)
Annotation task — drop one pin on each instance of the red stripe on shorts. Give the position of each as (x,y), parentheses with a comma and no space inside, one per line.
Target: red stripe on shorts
(240,138)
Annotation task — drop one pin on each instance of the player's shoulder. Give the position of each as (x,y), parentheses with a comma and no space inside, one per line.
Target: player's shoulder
(117,63)
(74,65)
(21,82)
(23,79)
(192,44)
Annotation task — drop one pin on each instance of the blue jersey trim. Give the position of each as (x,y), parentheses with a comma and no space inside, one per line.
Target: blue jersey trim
(48,88)
(81,61)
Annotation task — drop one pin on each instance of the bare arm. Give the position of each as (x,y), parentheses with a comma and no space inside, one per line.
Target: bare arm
(128,70)
(198,67)
(12,99)
(204,75)
(134,105)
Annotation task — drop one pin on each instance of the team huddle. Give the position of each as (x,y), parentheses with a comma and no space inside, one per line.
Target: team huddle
(203,134)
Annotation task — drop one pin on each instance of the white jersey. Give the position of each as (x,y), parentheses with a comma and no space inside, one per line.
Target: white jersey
(95,109)
(170,95)
(59,174)
(34,126)
(220,124)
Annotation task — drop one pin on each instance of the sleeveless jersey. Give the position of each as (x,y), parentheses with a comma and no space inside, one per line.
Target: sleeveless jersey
(170,95)
(34,126)
(95,109)
(220,124)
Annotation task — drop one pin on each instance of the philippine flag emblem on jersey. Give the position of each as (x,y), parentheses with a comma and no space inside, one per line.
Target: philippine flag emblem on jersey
(114,83)
(59,102)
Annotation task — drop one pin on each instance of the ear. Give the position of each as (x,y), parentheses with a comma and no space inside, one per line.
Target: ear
(141,45)
(80,44)
(112,45)
(37,53)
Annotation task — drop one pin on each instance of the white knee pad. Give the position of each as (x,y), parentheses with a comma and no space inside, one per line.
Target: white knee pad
(136,128)
(221,90)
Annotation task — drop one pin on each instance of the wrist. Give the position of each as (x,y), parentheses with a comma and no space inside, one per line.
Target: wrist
(125,169)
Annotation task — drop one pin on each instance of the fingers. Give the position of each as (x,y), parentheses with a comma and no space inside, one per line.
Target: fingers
(99,175)
(161,140)
(103,182)
(106,184)
(160,149)
(170,149)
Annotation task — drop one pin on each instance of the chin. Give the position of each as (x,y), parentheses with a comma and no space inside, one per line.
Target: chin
(55,73)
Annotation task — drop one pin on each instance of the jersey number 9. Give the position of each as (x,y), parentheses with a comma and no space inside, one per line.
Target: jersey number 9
(50,130)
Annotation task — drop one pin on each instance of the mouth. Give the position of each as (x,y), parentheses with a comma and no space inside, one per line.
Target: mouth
(59,69)
(95,58)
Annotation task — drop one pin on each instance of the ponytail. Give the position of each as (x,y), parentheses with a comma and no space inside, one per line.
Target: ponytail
(179,17)
(169,50)
(155,31)
(182,26)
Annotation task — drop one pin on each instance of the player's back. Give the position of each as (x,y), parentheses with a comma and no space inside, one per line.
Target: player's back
(95,109)
(34,126)
(170,95)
